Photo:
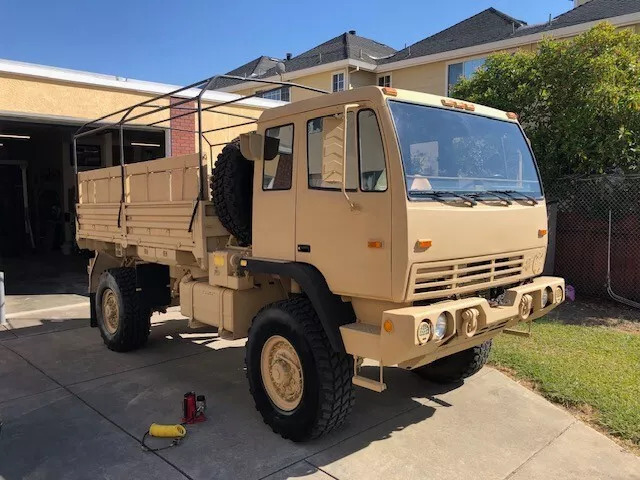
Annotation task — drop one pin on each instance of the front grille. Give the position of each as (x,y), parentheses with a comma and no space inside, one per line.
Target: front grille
(449,277)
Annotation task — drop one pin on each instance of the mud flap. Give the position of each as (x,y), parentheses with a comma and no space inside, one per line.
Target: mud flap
(93,319)
(153,285)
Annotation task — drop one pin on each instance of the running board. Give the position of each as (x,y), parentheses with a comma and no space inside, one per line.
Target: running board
(364,382)
(369,384)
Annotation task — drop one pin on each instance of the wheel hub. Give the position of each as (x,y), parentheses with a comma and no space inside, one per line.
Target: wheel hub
(281,371)
(110,310)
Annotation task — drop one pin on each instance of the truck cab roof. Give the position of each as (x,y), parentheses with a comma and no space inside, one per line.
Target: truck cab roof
(378,95)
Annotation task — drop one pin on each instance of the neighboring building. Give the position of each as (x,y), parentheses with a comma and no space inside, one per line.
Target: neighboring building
(437,62)
(346,61)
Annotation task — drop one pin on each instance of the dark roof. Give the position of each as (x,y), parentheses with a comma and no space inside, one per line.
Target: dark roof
(255,68)
(591,11)
(487,26)
(346,45)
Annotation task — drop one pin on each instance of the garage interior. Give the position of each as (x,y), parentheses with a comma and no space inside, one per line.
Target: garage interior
(37,191)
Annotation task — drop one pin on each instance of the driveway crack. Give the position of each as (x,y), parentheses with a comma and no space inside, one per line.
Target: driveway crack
(534,454)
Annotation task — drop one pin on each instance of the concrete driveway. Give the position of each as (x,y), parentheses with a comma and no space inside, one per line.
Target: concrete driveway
(73,409)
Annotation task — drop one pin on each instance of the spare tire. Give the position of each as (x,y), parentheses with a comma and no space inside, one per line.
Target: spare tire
(232,192)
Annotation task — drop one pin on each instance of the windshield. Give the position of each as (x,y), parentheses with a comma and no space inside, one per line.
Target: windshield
(450,151)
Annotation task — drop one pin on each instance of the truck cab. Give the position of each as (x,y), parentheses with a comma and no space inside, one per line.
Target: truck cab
(425,214)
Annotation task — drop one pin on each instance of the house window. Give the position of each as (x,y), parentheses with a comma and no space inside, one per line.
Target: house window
(276,173)
(384,81)
(324,160)
(463,70)
(337,82)
(281,94)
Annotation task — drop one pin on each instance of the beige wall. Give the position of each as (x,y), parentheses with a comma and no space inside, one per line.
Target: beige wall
(429,78)
(361,78)
(25,95)
(211,120)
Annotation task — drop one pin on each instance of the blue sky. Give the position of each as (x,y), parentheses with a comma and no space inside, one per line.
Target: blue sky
(183,41)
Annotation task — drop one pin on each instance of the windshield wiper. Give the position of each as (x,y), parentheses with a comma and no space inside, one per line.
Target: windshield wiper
(479,195)
(439,194)
(510,194)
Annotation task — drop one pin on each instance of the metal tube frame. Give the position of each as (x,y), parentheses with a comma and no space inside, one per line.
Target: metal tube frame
(100,124)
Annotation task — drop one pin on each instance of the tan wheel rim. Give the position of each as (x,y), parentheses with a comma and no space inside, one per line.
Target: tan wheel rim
(110,311)
(281,371)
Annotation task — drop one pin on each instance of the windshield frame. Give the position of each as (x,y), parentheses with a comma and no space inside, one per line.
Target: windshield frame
(462,112)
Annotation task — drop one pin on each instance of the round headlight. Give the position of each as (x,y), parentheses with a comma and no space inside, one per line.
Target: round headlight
(558,295)
(441,327)
(424,331)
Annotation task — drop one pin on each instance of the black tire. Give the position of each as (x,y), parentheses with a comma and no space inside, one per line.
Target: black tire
(328,394)
(457,367)
(134,321)
(232,192)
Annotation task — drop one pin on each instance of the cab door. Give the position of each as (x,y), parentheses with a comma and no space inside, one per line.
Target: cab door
(274,196)
(345,234)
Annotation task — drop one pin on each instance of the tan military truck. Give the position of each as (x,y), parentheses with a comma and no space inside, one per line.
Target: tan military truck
(375,223)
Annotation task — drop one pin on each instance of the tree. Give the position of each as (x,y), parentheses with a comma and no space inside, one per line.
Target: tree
(578,100)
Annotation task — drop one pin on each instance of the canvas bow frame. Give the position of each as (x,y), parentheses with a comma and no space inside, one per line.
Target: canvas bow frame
(185,97)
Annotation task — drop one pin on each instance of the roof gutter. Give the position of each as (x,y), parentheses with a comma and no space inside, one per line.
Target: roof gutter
(620,21)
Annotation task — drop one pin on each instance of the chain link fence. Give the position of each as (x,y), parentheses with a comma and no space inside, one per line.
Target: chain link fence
(598,235)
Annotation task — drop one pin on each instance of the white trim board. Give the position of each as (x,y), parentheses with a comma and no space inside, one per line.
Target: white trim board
(119,83)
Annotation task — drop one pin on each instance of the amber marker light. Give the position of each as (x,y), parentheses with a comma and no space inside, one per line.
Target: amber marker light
(424,243)
(512,116)
(542,232)
(374,244)
(390,91)
(388,326)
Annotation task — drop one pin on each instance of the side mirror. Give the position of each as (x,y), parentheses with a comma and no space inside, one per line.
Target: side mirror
(251,146)
(254,146)
(333,138)
(271,148)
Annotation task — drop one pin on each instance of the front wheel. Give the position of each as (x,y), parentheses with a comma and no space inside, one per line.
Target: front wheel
(457,367)
(301,387)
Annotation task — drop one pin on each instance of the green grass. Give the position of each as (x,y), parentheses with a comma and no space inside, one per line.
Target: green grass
(576,365)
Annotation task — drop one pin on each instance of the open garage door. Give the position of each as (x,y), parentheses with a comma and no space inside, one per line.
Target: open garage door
(37,191)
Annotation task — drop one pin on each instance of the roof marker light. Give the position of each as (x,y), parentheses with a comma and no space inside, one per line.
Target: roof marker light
(512,115)
(390,91)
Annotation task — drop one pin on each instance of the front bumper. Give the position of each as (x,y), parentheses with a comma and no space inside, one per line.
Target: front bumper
(470,321)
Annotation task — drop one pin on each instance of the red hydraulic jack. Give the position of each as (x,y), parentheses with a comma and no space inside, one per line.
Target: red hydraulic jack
(193,408)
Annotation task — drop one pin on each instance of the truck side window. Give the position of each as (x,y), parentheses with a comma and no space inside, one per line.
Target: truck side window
(276,173)
(373,172)
(318,144)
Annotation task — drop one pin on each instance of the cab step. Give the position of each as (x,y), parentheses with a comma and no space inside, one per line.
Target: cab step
(369,383)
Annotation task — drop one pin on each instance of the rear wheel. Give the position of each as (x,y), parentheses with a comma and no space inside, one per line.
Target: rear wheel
(123,323)
(301,387)
(457,367)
